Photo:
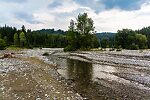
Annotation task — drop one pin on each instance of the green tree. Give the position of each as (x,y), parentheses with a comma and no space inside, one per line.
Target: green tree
(81,35)
(16,40)
(6,40)
(23,29)
(95,42)
(84,24)
(2,44)
(23,41)
(145,31)
(0,36)
(104,43)
(141,41)
(122,38)
(85,27)
(26,35)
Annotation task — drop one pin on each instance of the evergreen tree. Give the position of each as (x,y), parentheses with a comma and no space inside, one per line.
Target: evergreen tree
(0,36)
(104,43)
(6,40)
(2,44)
(16,40)
(23,41)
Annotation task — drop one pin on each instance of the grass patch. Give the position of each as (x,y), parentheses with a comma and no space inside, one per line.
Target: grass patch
(14,48)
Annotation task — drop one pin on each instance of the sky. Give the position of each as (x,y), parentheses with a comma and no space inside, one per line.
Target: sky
(108,15)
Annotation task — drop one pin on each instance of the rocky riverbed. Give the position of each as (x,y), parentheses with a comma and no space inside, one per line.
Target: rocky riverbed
(27,75)
(93,75)
(117,75)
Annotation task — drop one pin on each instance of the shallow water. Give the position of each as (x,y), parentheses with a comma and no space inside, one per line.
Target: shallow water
(95,81)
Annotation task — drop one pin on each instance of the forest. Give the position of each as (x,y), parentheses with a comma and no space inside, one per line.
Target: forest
(80,36)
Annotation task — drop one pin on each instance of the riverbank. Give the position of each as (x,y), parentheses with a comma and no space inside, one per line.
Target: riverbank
(28,76)
(94,75)
(113,75)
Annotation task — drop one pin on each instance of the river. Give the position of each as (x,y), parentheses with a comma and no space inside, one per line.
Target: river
(97,81)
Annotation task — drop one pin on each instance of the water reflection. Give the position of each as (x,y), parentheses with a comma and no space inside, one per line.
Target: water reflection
(80,72)
(96,81)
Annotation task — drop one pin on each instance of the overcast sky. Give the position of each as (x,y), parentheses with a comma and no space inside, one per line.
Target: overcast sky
(108,15)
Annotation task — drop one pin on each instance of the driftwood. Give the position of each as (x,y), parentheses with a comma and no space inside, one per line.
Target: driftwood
(7,56)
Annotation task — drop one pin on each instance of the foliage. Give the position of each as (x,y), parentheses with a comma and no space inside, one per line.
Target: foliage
(23,41)
(145,31)
(2,44)
(84,24)
(104,43)
(80,35)
(109,36)
(141,41)
(122,38)
(129,39)
(134,47)
(16,40)
(119,48)
(69,48)
(12,47)
(7,34)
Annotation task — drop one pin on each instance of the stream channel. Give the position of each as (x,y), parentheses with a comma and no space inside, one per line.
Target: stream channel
(99,82)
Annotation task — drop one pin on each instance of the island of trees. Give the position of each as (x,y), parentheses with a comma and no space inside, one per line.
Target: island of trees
(80,36)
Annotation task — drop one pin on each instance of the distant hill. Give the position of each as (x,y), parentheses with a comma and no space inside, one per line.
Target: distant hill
(107,35)
(50,31)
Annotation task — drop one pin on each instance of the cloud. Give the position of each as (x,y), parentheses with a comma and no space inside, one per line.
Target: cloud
(27,17)
(108,15)
(101,5)
(66,6)
(14,1)
(115,19)
(93,4)
(55,4)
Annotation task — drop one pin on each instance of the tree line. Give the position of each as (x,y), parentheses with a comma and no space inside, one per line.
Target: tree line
(11,36)
(81,35)
(128,39)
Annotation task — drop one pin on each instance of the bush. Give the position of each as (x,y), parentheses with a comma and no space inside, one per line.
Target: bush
(134,47)
(119,48)
(2,44)
(30,47)
(69,48)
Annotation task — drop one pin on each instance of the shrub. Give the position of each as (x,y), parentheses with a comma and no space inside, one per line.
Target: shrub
(2,44)
(119,48)
(134,47)
(69,48)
